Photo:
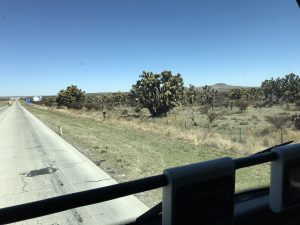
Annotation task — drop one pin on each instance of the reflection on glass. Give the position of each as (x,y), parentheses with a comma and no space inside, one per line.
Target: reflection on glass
(294,186)
(295,178)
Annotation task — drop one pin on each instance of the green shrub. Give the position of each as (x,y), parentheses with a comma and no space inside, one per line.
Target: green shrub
(278,121)
(124,112)
(254,117)
(263,132)
(244,123)
(49,104)
(296,119)
(298,104)
(242,105)
(75,105)
(88,105)
(70,95)
(283,114)
(287,106)
(204,109)
(211,117)
(48,101)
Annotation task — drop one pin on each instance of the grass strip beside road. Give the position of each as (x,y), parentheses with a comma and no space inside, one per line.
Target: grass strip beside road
(127,154)
(3,103)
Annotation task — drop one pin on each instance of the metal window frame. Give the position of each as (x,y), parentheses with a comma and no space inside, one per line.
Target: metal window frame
(58,204)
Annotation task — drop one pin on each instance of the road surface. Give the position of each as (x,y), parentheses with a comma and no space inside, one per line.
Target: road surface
(36,163)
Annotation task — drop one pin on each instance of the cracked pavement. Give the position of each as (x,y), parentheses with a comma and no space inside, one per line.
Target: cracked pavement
(36,163)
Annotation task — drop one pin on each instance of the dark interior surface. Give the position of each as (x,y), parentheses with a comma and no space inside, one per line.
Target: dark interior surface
(250,208)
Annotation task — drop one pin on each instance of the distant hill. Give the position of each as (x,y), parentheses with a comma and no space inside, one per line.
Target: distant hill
(222,87)
(104,93)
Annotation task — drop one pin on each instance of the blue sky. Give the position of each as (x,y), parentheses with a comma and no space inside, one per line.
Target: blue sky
(103,45)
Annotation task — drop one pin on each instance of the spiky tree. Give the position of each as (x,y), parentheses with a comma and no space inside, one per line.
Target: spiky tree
(291,87)
(282,89)
(69,96)
(118,98)
(158,92)
(191,94)
(208,96)
(268,88)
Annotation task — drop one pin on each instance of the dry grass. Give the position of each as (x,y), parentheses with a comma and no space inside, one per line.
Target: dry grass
(3,103)
(241,133)
(128,145)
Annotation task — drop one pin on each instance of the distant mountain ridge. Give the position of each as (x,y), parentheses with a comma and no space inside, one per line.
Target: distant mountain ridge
(221,87)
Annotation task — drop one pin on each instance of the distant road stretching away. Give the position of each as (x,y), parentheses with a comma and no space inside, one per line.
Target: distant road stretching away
(36,163)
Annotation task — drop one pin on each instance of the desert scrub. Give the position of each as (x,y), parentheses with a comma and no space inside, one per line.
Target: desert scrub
(130,149)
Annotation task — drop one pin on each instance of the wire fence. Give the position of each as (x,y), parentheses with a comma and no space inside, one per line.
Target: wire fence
(236,132)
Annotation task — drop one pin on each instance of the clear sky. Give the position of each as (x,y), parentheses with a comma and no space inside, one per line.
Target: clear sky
(103,45)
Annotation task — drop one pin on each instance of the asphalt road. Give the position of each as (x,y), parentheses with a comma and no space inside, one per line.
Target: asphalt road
(36,163)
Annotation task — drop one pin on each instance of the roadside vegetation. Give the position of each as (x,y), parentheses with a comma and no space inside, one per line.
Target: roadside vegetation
(130,150)
(3,102)
(160,124)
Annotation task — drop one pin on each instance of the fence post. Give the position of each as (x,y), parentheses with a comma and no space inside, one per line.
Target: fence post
(281,136)
(141,118)
(104,115)
(60,130)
